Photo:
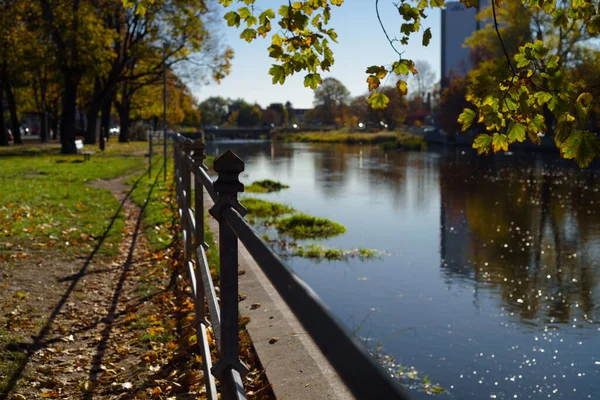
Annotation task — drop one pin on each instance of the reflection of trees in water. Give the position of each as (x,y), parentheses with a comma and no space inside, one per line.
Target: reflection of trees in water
(331,169)
(403,179)
(257,153)
(376,171)
(385,174)
(527,231)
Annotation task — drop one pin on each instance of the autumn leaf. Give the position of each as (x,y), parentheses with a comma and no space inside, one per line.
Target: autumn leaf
(373,82)
(378,101)
(499,142)
(516,132)
(427,37)
(482,143)
(278,74)
(466,118)
(402,87)
(312,80)
(583,146)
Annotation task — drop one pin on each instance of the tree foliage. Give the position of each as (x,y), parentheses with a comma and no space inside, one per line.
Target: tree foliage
(68,57)
(331,99)
(534,91)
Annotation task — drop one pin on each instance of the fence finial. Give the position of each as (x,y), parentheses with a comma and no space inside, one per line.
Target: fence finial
(228,185)
(199,154)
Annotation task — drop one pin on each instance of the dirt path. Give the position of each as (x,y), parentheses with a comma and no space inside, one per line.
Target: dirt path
(77,328)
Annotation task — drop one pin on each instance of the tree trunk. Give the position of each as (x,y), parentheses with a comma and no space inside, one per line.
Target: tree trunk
(92,114)
(92,123)
(44,126)
(67,121)
(54,119)
(125,121)
(81,121)
(12,107)
(105,119)
(3,134)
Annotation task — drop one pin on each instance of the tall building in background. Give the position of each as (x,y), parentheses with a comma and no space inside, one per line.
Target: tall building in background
(458,23)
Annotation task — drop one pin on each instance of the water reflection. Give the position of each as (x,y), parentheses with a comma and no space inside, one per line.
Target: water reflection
(528,232)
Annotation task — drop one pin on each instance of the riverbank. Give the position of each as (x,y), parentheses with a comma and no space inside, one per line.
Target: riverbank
(389,139)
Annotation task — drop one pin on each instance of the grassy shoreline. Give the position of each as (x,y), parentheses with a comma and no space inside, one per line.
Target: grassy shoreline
(397,139)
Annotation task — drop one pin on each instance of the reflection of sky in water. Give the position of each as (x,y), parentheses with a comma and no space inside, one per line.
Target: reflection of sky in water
(491,288)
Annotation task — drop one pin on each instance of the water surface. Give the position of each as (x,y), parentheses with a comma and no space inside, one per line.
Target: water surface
(491,284)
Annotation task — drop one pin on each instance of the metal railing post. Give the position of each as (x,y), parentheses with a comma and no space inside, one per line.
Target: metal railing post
(198,156)
(186,201)
(228,185)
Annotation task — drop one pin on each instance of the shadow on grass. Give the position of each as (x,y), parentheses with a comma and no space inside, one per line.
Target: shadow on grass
(38,340)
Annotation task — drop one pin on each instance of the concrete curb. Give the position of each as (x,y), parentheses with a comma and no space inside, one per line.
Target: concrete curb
(294,365)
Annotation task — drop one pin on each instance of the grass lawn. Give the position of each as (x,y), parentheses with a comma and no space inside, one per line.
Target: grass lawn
(46,202)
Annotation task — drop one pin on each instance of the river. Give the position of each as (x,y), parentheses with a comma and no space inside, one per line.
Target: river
(490,280)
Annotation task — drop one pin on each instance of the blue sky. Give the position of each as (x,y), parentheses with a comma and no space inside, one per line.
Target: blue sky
(361,43)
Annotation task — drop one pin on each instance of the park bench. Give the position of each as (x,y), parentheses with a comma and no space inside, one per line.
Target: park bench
(86,154)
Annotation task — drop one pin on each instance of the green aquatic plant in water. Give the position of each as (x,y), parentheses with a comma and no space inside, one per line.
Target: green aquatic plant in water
(265,209)
(265,186)
(407,375)
(303,226)
(319,252)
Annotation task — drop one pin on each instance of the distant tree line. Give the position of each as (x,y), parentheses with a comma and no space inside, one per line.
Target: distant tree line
(332,105)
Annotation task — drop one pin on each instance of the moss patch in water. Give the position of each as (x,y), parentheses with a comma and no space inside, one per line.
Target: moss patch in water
(265,209)
(319,252)
(303,226)
(265,186)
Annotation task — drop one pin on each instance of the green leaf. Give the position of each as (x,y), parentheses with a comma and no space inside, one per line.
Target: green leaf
(402,87)
(266,15)
(275,51)
(379,71)
(278,73)
(312,80)
(522,60)
(232,18)
(378,101)
(373,82)
(403,67)
(585,99)
(553,62)
(516,132)
(542,97)
(499,142)
(263,30)
(482,143)
(244,12)
(466,118)
(426,37)
(583,146)
(248,34)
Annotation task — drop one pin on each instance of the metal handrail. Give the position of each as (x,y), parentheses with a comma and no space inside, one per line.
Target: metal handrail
(359,370)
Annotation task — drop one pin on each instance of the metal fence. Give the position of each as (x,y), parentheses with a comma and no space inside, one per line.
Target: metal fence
(361,373)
